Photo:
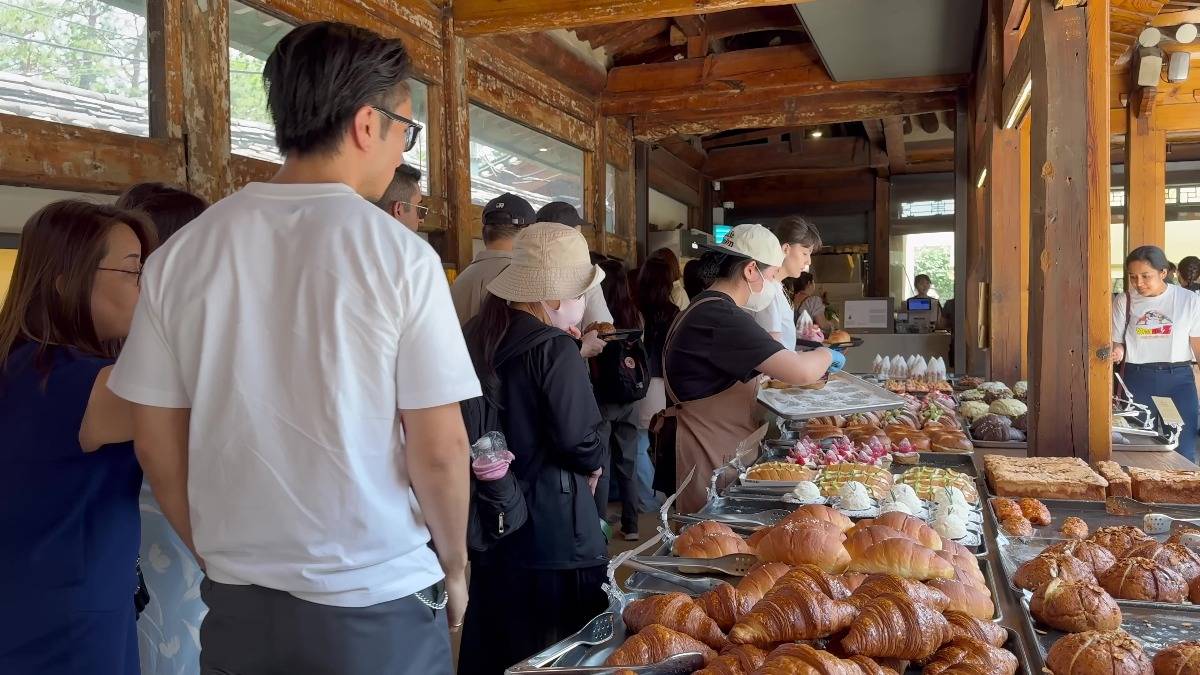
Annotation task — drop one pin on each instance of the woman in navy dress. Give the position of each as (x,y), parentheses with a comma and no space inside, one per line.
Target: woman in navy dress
(68,477)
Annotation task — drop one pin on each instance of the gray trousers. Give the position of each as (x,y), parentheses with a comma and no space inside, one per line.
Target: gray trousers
(618,430)
(251,630)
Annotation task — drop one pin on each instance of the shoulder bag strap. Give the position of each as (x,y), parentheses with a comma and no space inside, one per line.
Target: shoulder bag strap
(671,340)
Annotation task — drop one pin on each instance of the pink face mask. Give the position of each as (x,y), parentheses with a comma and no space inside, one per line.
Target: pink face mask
(568,314)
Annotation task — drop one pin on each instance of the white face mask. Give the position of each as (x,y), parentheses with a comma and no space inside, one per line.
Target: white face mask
(762,298)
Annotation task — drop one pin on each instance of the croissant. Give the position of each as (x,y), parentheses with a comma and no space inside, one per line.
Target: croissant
(903,558)
(1142,579)
(972,652)
(1181,658)
(761,578)
(714,546)
(736,660)
(823,512)
(1075,606)
(965,625)
(1094,555)
(893,626)
(813,577)
(966,569)
(723,604)
(1046,566)
(1177,557)
(792,612)
(800,659)
(882,584)
(1005,508)
(870,666)
(656,643)
(677,612)
(852,580)
(1108,652)
(915,528)
(957,550)
(966,598)
(799,546)
(861,539)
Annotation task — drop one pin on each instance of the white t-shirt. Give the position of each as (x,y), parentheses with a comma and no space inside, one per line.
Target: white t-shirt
(1159,327)
(294,321)
(777,319)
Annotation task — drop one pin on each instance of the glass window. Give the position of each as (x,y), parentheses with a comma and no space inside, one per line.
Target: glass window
(925,209)
(80,62)
(510,157)
(610,198)
(418,157)
(931,254)
(252,36)
(1116,258)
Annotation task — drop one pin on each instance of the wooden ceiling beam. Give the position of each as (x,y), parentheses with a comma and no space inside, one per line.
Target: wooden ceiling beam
(691,25)
(751,20)
(929,122)
(743,77)
(796,111)
(893,135)
(636,35)
(686,148)
(483,17)
(798,156)
(874,130)
(1168,19)
(740,139)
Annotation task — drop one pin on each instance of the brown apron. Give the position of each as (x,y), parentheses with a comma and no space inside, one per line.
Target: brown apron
(708,430)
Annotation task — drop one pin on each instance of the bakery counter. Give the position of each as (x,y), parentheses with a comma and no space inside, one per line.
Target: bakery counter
(861,358)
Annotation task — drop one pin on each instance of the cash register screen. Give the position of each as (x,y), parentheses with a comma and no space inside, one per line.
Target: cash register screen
(920,304)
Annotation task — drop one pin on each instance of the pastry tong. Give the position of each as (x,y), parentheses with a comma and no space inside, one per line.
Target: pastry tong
(598,631)
(753,520)
(1127,506)
(736,564)
(692,586)
(680,664)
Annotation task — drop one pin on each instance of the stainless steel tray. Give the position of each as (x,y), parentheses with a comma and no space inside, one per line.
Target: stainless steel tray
(843,395)
(1094,514)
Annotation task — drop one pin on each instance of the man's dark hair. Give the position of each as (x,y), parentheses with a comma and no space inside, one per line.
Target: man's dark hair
(494,233)
(169,208)
(404,187)
(922,277)
(320,75)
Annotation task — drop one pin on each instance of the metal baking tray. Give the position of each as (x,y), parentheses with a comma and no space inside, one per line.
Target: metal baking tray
(1155,628)
(776,450)
(1094,514)
(845,394)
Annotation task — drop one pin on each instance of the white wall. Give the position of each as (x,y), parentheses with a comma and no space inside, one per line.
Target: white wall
(22,202)
(666,212)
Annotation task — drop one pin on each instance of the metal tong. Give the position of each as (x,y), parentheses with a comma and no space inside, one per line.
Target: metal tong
(736,564)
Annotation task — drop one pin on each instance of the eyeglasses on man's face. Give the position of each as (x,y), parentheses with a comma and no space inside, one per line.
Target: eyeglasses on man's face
(411,133)
(422,211)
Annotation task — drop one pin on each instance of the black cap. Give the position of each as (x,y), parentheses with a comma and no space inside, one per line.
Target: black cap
(560,212)
(508,209)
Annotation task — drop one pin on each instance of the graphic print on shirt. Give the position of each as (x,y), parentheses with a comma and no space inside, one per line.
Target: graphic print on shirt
(1153,325)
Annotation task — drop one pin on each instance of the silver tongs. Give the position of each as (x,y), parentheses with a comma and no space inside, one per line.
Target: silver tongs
(736,564)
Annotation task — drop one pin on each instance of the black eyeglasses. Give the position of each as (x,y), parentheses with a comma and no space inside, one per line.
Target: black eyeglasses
(410,134)
(137,275)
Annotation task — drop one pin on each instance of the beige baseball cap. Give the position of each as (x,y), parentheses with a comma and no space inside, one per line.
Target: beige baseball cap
(550,262)
(751,241)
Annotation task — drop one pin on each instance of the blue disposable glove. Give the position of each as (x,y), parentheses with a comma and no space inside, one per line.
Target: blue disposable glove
(839,361)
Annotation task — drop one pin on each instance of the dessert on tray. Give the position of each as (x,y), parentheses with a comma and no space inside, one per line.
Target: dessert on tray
(1044,478)
(1169,487)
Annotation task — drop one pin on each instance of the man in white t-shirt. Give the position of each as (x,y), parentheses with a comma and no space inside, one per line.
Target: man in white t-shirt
(297,368)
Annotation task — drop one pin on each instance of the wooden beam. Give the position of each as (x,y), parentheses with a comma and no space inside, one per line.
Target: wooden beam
(773,159)
(686,148)
(963,186)
(480,17)
(206,116)
(881,240)
(674,178)
(874,131)
(563,64)
(456,140)
(1145,179)
(1069,306)
(812,194)
(638,34)
(751,76)
(641,198)
(1169,118)
(893,134)
(743,138)
(691,25)
(790,112)
(751,20)
(165,47)
(1168,19)
(929,122)
(1003,191)
(504,72)
(1015,81)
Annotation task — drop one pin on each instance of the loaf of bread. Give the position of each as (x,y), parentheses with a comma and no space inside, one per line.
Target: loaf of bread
(1098,558)
(1046,566)
(1093,652)
(1075,606)
(1119,539)
(1119,482)
(1169,487)
(1181,658)
(1044,478)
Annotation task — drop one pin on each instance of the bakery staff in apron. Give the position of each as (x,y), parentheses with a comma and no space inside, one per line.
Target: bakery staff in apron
(715,353)
(1156,334)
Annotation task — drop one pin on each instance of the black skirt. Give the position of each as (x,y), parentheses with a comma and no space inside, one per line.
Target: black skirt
(516,613)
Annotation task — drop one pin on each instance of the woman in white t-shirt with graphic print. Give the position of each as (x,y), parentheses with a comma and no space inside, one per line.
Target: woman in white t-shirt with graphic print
(1156,332)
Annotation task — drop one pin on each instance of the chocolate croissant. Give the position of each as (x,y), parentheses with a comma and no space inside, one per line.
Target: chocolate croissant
(657,643)
(966,598)
(792,612)
(677,612)
(1046,566)
(1075,606)
(971,652)
(798,546)
(893,626)
(965,625)
(1108,652)
(736,660)
(1181,658)
(882,584)
(903,558)
(1143,579)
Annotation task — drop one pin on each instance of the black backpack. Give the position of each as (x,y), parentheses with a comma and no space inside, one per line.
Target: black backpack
(497,507)
(621,373)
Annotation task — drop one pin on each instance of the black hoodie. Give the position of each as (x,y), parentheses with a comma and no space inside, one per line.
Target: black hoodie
(550,420)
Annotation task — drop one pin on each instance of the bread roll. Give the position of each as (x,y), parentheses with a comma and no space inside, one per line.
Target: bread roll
(1095,652)
(1075,606)
(1143,579)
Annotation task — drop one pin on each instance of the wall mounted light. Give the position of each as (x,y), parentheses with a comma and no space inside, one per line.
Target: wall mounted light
(982,178)
(1178,66)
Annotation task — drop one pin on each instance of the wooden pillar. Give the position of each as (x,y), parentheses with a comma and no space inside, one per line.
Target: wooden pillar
(641,199)
(963,183)
(457,145)
(1145,174)
(1005,248)
(205,90)
(1026,128)
(1069,305)
(595,171)
(881,240)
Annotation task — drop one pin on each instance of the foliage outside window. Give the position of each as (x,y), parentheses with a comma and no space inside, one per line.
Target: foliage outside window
(80,62)
(931,254)
(510,157)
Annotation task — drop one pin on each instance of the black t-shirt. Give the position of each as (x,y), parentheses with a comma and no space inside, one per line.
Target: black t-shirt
(716,346)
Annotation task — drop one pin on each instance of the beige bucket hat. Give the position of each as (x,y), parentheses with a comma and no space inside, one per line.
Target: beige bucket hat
(550,262)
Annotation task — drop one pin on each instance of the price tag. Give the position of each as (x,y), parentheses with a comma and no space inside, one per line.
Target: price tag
(1167,411)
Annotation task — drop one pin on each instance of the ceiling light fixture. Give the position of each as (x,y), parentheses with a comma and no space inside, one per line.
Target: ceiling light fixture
(1020,105)
(543,149)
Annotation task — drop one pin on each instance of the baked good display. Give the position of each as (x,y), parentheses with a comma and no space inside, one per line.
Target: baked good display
(966,598)
(965,625)
(1007,407)
(903,558)
(822,512)
(876,585)
(1119,539)
(839,337)
(1035,511)
(1194,592)
(1073,528)
(1075,606)
(1046,566)
(966,654)
(973,410)
(927,480)
(1176,557)
(1143,579)
(801,658)
(1119,482)
(878,481)
(911,439)
(709,539)
(970,382)
(915,528)
(1098,652)
(1017,526)
(993,391)
(656,643)
(1020,390)
(726,604)
(795,544)
(1044,477)
(948,440)
(1166,486)
(677,612)
(780,471)
(1006,508)
(790,612)
(1098,558)
(1181,658)
(894,626)
(862,538)
(996,429)
(736,660)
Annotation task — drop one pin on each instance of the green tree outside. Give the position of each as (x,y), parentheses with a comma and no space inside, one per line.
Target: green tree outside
(938,263)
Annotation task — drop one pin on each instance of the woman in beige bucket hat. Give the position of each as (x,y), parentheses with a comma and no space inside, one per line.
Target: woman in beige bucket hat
(542,582)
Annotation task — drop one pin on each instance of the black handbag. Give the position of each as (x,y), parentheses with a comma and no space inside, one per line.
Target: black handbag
(141,595)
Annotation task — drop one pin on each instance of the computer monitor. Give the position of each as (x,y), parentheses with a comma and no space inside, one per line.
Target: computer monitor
(867,315)
(920,304)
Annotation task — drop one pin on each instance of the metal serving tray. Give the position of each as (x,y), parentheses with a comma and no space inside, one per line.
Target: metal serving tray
(1095,515)
(845,394)
(1154,628)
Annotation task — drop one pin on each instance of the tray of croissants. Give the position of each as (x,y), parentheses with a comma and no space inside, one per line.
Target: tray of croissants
(887,596)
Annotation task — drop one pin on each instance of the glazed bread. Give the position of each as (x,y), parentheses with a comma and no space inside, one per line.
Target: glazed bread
(1143,579)
(1075,607)
(1093,652)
